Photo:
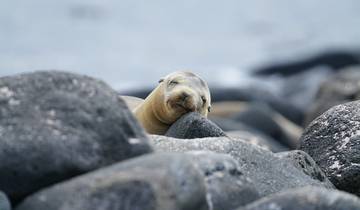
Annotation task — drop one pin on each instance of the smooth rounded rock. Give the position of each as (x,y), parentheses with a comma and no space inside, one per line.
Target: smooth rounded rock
(309,198)
(333,141)
(55,125)
(269,173)
(149,182)
(193,125)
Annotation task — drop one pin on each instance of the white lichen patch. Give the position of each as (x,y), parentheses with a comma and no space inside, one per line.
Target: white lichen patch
(274,206)
(6,92)
(51,113)
(91,93)
(209,201)
(134,141)
(240,183)
(335,165)
(355,164)
(50,122)
(344,142)
(75,82)
(51,119)
(325,123)
(13,102)
(56,132)
(42,198)
(219,174)
(1,131)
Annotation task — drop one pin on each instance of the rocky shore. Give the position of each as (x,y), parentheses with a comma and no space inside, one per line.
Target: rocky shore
(69,142)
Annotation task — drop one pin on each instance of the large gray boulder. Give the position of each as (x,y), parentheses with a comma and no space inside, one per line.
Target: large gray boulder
(270,174)
(333,141)
(149,182)
(212,180)
(56,125)
(309,198)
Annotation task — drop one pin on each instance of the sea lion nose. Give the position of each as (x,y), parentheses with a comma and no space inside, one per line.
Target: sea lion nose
(184,96)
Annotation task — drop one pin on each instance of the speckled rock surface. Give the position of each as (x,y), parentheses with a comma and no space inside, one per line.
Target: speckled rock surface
(150,182)
(305,163)
(193,125)
(4,202)
(269,173)
(333,141)
(226,186)
(342,87)
(309,198)
(56,125)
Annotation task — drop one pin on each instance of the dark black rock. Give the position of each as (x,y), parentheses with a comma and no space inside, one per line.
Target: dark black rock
(4,202)
(258,139)
(305,163)
(150,182)
(56,125)
(333,141)
(226,185)
(341,88)
(193,125)
(269,173)
(307,198)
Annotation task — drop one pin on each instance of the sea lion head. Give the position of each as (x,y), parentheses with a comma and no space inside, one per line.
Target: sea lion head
(182,92)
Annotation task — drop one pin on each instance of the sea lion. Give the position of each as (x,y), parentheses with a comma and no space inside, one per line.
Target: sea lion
(177,94)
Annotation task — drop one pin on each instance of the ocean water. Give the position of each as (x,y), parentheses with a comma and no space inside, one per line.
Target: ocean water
(131,44)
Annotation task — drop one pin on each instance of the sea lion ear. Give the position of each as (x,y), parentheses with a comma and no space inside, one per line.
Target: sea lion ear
(161,80)
(209,108)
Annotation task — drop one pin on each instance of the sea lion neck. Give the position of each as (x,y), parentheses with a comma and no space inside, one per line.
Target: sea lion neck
(147,113)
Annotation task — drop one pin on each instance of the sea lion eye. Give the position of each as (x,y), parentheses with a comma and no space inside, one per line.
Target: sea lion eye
(209,108)
(203,99)
(173,82)
(161,80)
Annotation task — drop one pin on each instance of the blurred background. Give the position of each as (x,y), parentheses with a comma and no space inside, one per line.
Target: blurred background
(131,44)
